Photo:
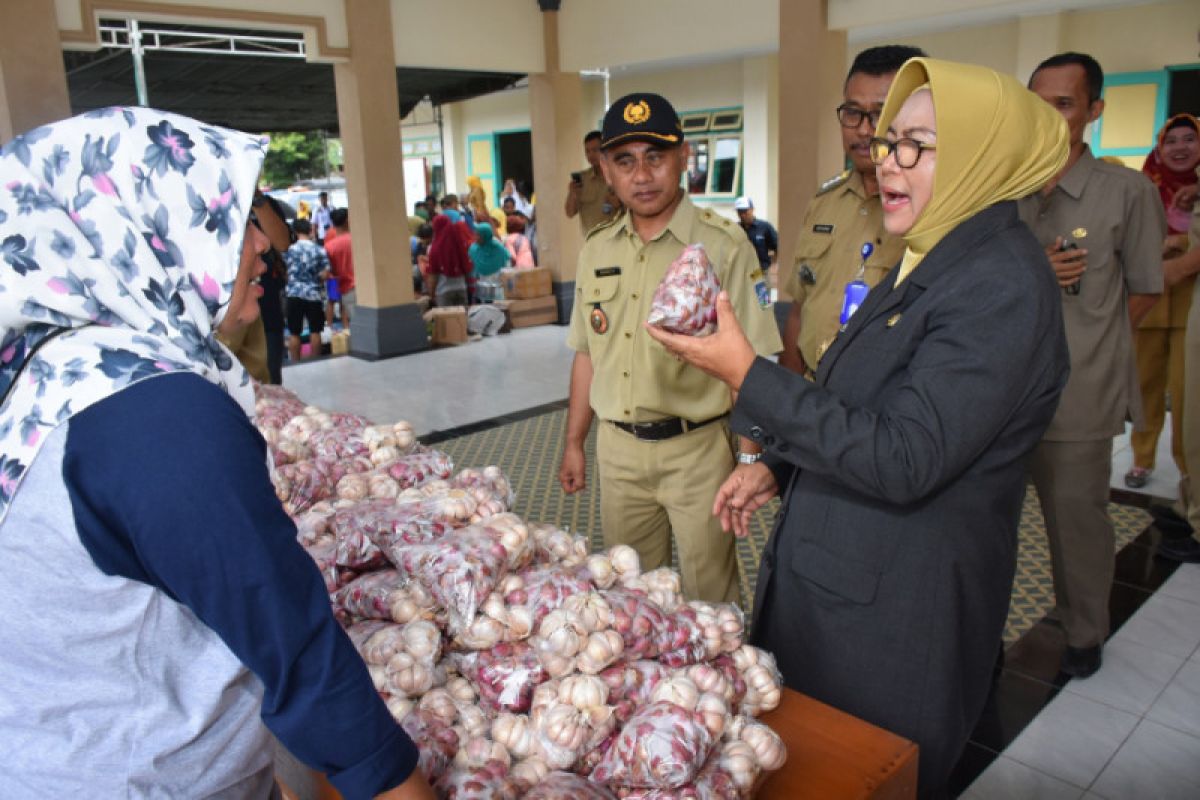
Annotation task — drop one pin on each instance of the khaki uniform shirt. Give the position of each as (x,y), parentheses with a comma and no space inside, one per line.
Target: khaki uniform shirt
(595,203)
(839,220)
(1115,214)
(634,378)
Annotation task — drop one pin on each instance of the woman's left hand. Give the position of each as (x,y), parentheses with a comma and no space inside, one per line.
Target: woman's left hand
(726,355)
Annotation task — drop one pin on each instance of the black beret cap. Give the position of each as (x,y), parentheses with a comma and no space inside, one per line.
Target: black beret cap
(641,116)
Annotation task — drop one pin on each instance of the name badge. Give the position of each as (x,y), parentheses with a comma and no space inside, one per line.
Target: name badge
(822,229)
(608,272)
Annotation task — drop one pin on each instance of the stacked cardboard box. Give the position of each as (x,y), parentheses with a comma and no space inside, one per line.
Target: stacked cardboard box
(529,298)
(448,324)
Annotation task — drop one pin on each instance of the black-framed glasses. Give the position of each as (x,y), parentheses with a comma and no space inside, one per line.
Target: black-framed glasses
(908,151)
(852,116)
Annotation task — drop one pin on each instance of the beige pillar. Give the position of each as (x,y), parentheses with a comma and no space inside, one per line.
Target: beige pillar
(812,65)
(387,321)
(760,134)
(33,81)
(555,111)
(1038,38)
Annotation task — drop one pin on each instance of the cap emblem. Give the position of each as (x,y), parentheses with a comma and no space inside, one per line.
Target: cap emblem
(637,113)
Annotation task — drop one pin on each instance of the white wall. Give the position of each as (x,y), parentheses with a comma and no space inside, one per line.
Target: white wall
(494,35)
(607,33)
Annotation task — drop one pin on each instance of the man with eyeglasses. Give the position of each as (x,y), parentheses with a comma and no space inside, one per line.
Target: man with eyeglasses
(844,215)
(663,444)
(1102,226)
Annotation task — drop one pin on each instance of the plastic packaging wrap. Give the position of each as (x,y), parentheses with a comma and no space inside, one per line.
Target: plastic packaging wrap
(419,467)
(459,570)
(644,627)
(436,740)
(505,676)
(370,596)
(366,529)
(334,444)
(492,781)
(313,526)
(563,785)
(325,556)
(376,641)
(662,746)
(686,298)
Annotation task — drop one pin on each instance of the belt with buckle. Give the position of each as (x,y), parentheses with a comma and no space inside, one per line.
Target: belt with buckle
(662,428)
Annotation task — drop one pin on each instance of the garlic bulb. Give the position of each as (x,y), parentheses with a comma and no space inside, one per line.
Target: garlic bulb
(768,747)
(583,691)
(715,712)
(677,689)
(741,762)
(399,707)
(516,733)
(439,703)
(600,570)
(591,609)
(530,771)
(423,640)
(601,649)
(477,751)
(461,689)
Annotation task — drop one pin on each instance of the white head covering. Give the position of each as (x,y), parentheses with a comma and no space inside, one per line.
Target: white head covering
(120,238)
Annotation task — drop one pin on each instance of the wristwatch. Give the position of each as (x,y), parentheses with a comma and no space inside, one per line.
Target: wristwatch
(749,458)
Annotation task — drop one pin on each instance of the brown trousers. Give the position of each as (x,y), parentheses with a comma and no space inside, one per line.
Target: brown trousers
(649,490)
(1072,484)
(1160,361)
(1189,500)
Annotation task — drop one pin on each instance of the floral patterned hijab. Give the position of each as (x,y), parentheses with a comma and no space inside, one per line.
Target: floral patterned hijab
(120,238)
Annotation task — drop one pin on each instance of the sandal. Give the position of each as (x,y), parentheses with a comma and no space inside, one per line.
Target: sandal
(1137,477)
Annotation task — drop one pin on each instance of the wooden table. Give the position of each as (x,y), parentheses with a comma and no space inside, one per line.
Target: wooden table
(834,756)
(831,756)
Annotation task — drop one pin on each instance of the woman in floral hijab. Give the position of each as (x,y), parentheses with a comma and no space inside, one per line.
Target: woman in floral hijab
(158,609)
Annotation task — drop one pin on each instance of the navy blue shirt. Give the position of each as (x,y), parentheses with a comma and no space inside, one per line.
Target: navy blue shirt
(169,486)
(765,240)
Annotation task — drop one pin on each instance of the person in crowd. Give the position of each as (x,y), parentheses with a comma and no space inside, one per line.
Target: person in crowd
(844,215)
(1102,227)
(303,210)
(421,210)
(520,202)
(307,270)
(663,445)
(321,216)
(1159,341)
(885,585)
(477,203)
(488,256)
(517,243)
(259,345)
(450,203)
(341,262)
(1178,524)
(418,246)
(161,620)
(448,264)
(762,234)
(509,206)
(269,217)
(588,194)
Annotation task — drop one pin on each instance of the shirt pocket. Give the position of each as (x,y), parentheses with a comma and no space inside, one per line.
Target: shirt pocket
(602,290)
(810,250)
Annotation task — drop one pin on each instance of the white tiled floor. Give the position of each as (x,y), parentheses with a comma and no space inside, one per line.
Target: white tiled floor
(1132,730)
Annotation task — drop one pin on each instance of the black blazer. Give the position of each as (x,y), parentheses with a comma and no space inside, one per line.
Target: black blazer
(885,585)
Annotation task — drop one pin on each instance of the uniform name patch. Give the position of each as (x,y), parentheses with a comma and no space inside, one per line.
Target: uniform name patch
(608,272)
(822,229)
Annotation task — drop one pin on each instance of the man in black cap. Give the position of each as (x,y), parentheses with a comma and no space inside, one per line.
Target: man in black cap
(663,444)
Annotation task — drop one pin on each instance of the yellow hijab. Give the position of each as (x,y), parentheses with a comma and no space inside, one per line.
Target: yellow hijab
(996,141)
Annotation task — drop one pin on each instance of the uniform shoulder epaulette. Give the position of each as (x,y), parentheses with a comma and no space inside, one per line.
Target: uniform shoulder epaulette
(600,226)
(719,222)
(833,183)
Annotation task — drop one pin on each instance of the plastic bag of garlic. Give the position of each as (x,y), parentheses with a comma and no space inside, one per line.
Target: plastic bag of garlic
(524,662)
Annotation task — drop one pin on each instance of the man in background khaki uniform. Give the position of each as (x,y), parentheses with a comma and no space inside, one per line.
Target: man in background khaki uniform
(588,193)
(1112,217)
(663,445)
(844,214)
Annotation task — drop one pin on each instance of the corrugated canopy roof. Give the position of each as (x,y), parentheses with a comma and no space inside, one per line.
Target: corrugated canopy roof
(251,93)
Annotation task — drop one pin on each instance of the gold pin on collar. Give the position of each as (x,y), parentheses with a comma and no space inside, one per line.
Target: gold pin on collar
(1079,233)
(892,320)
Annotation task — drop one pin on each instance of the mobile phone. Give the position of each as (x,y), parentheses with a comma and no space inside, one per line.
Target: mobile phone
(577,177)
(1074,287)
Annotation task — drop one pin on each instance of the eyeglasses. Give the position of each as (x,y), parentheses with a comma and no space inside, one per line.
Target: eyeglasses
(908,151)
(852,116)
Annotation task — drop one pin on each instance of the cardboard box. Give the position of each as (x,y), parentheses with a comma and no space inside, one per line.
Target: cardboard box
(525,284)
(449,325)
(339,343)
(536,311)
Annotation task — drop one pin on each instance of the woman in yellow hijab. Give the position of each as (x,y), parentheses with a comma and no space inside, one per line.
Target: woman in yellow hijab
(885,585)
(477,202)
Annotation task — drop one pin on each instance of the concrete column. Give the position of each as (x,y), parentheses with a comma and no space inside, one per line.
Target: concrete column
(387,322)
(33,81)
(555,111)
(1038,38)
(812,65)
(760,134)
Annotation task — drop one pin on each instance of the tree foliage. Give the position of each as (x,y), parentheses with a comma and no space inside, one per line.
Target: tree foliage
(293,157)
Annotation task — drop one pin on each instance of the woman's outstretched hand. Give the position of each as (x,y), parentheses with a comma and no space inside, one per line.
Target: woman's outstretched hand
(726,354)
